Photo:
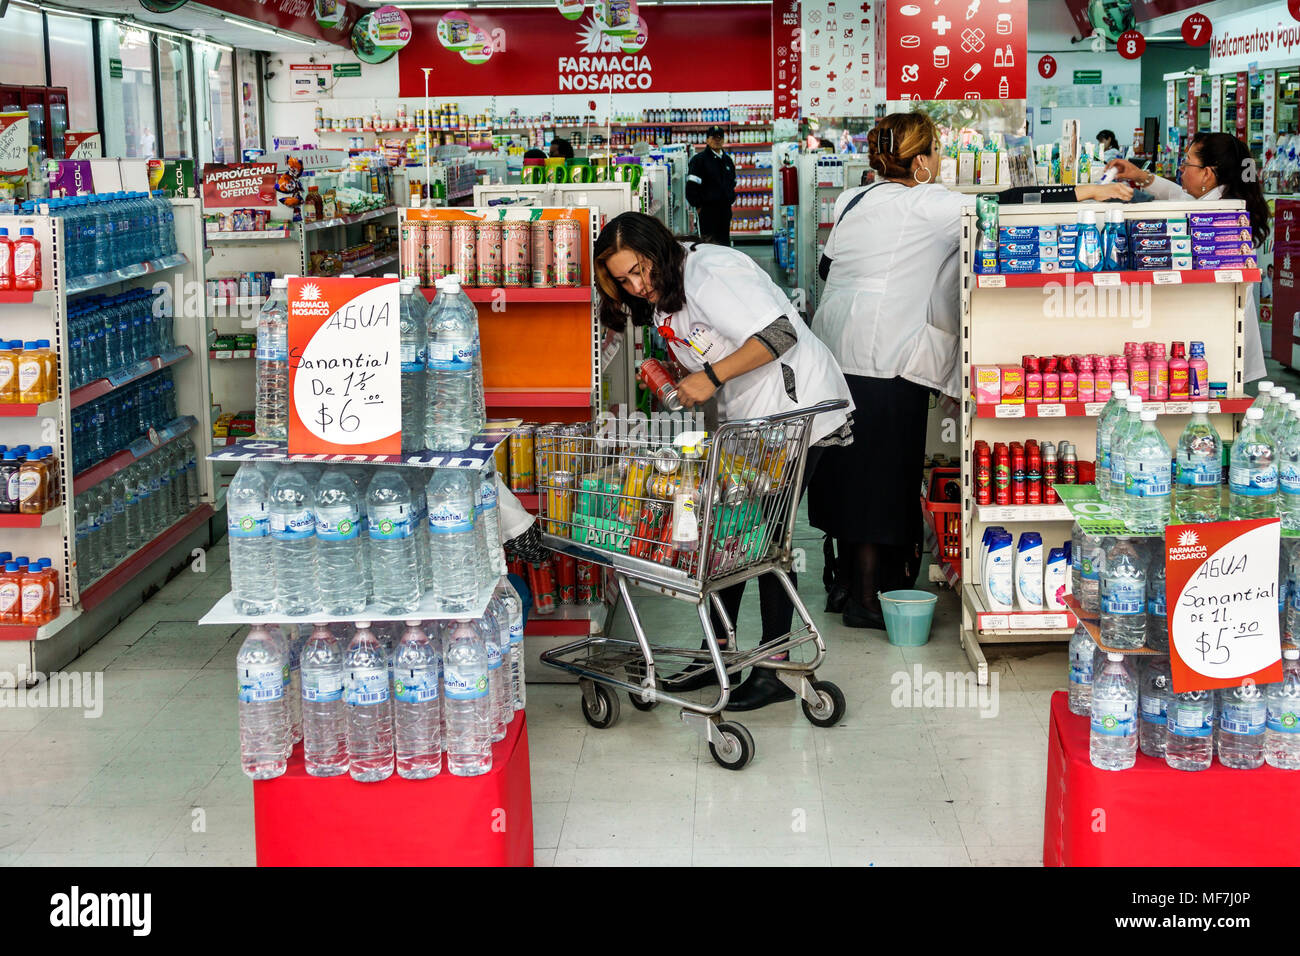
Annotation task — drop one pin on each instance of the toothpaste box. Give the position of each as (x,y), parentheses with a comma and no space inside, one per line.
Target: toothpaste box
(1026,234)
(1021,265)
(1235,248)
(1069,229)
(986,263)
(1013,385)
(1218,219)
(1149,243)
(1182,262)
(1152,260)
(1157,227)
(1180,245)
(1220,234)
(1024,249)
(1227,262)
(986,383)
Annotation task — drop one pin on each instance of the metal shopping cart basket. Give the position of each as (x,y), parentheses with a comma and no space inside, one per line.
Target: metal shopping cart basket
(626,502)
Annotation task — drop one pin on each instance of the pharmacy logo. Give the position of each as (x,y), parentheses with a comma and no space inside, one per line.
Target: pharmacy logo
(1188,539)
(309,292)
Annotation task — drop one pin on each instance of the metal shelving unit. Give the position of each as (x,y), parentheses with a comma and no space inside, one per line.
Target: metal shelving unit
(831,176)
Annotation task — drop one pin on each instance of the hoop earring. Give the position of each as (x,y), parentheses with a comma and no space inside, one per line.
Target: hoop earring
(929,177)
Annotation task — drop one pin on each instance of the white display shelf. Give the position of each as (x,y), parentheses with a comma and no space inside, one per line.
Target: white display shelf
(349,220)
(223,612)
(1006,514)
(249,235)
(98,280)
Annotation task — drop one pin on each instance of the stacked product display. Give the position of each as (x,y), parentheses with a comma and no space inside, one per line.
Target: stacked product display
(1016,474)
(28,373)
(30,480)
(110,231)
(542,254)
(1020,578)
(109,334)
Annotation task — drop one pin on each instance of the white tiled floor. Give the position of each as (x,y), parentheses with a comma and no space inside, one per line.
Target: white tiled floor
(156,779)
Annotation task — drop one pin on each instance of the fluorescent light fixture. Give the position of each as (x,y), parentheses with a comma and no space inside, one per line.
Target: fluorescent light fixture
(261,29)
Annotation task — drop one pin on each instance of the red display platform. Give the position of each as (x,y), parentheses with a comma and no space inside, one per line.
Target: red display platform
(446,821)
(1152,815)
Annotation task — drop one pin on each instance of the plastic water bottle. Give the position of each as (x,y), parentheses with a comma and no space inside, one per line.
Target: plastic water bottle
(263,712)
(497,673)
(413,366)
(1082,649)
(131,514)
(1086,551)
(248,525)
(293,643)
(453,539)
(1111,414)
(1264,395)
(1278,415)
(1147,479)
(360,475)
(117,526)
(1123,597)
(1286,588)
(1252,471)
(467,704)
(1243,712)
(1125,429)
(1190,728)
(451,289)
(420,525)
(324,723)
(1200,469)
(450,398)
(293,543)
(1113,737)
(1156,685)
(1282,733)
(272,413)
(490,515)
(369,707)
(393,558)
(1288,471)
(417,709)
(1157,615)
(515,611)
(339,546)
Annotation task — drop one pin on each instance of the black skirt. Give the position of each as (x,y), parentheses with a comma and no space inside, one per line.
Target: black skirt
(871,490)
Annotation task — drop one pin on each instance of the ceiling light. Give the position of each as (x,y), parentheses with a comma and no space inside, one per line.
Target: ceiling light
(261,29)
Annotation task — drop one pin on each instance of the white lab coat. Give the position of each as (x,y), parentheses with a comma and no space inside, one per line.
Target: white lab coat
(1164,189)
(729,299)
(891,303)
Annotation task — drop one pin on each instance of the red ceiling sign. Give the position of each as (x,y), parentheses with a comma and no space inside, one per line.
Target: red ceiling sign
(1047,66)
(955,49)
(1131,44)
(537,50)
(787,52)
(328,20)
(1196,29)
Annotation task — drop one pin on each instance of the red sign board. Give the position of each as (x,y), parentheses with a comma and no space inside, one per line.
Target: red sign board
(1197,29)
(1047,66)
(1131,44)
(787,53)
(954,49)
(1221,582)
(687,48)
(345,382)
(329,20)
(1243,104)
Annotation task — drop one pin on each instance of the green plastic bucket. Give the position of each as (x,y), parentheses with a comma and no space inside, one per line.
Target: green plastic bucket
(907,616)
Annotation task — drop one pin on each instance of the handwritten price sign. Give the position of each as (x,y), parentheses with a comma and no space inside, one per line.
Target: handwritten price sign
(1222,588)
(345,378)
(14,140)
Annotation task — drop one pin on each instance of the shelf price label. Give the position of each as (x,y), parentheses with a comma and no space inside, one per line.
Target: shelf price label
(344,367)
(1167,278)
(1222,587)
(1008,411)
(1106,279)
(1054,410)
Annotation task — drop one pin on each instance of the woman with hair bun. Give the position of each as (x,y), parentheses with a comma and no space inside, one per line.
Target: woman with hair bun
(889,314)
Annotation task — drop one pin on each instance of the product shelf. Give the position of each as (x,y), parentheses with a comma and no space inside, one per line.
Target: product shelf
(371,265)
(580,294)
(738,145)
(480,450)
(1027,626)
(50,518)
(568,620)
(575,397)
(754,190)
(1166,277)
(98,280)
(43,410)
(17,296)
(128,456)
(237,300)
(249,235)
(108,583)
(761,234)
(229,354)
(33,632)
(999,514)
(223,612)
(1093,409)
(349,220)
(102,386)
(1093,627)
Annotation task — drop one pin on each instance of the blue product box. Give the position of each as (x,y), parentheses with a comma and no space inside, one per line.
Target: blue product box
(1022,265)
(1026,233)
(986,263)
(1022,249)
(1149,243)
(1147,261)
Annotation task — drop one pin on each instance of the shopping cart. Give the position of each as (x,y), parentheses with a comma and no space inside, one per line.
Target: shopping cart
(625,501)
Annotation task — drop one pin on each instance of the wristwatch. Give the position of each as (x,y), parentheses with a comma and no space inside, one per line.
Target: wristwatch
(713,376)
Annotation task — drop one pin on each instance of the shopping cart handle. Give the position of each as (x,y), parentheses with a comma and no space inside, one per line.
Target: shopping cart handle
(830,405)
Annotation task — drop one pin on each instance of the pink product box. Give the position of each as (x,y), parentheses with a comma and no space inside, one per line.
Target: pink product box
(1227,262)
(1218,219)
(986,382)
(1218,234)
(1222,249)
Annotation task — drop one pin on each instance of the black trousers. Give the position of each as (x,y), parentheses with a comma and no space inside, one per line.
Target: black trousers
(774,605)
(715,224)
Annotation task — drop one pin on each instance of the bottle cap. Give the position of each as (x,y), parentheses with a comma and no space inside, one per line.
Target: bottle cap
(22,559)
(1087,217)
(11,566)
(26,231)
(1264,386)
(42,343)
(29,346)
(1148,416)
(1201,408)
(1134,403)
(281,282)
(1114,658)
(6,557)
(1291,653)
(4,231)
(1254,414)
(361,624)
(1277,391)
(412,623)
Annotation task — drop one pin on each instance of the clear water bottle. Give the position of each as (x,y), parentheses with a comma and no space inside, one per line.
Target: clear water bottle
(451,402)
(1123,596)
(102,525)
(490,515)
(452,289)
(1147,477)
(453,539)
(360,475)
(369,707)
(293,543)
(1282,733)
(117,527)
(272,412)
(420,524)
(417,708)
(338,544)
(192,491)
(1200,469)
(1082,649)
(1113,736)
(293,643)
(1125,428)
(1264,395)
(131,514)
(413,366)
(393,558)
(1288,471)
(497,674)
(1086,551)
(1278,415)
(467,705)
(324,722)
(515,614)
(1243,713)
(85,570)
(1252,471)
(263,713)
(1111,415)
(1157,684)
(1157,614)
(1190,728)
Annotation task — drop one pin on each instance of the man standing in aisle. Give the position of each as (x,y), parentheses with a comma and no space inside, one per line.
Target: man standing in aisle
(711,188)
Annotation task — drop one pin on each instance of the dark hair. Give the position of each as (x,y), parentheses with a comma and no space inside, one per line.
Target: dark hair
(648,237)
(563,146)
(825,144)
(1230,159)
(535,154)
(896,140)
(1107,139)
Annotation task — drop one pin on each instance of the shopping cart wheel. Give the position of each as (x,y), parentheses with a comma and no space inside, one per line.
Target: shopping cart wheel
(737,746)
(605,713)
(635,697)
(830,705)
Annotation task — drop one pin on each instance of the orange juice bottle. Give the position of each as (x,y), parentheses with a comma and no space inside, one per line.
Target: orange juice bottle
(31,375)
(33,596)
(51,376)
(34,484)
(8,373)
(11,607)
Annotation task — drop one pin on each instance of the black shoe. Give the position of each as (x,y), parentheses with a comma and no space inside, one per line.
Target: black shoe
(836,600)
(858,615)
(761,688)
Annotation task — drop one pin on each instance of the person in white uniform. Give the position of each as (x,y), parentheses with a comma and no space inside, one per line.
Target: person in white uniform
(1218,166)
(743,342)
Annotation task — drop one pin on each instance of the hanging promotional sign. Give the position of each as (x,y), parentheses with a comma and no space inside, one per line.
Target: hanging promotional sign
(571,9)
(1197,29)
(14,140)
(953,49)
(786,49)
(1131,44)
(1222,601)
(1264,36)
(84,144)
(345,382)
(389,29)
(837,43)
(329,13)
(246,186)
(534,51)
(328,20)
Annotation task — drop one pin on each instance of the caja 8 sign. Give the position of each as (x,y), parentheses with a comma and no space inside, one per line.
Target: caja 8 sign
(1131,44)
